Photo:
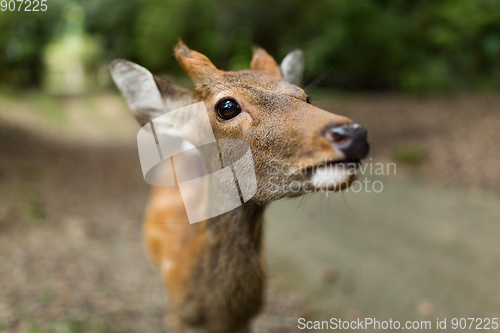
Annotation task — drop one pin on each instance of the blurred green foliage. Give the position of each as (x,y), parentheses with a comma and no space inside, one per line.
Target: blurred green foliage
(415,46)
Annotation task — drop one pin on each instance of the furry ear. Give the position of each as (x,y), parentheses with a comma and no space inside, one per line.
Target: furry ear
(197,66)
(172,120)
(292,67)
(263,62)
(147,96)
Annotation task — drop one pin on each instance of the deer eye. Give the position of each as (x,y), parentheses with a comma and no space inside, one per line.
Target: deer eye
(227,108)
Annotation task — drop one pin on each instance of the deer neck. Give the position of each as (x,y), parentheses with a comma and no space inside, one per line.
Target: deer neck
(230,258)
(239,229)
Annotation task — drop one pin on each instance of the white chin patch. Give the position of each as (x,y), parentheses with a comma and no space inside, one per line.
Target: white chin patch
(332,176)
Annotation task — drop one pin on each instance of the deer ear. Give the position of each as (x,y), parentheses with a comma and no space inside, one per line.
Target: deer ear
(263,62)
(292,67)
(197,66)
(148,96)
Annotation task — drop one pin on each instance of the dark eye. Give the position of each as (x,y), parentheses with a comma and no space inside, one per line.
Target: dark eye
(227,108)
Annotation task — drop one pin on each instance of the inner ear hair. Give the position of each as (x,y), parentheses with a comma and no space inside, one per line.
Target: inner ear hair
(138,87)
(147,95)
(174,97)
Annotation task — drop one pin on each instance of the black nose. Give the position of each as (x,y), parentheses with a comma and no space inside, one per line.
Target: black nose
(349,139)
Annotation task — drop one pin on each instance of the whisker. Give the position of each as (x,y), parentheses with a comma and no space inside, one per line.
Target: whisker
(321,210)
(344,199)
(295,212)
(307,76)
(317,81)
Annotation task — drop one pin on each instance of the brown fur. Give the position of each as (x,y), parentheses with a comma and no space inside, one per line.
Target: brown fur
(214,270)
(263,62)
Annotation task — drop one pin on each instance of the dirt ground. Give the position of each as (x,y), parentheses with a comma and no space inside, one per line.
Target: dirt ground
(426,247)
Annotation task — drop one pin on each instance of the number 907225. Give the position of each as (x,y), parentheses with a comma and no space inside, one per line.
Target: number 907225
(23,5)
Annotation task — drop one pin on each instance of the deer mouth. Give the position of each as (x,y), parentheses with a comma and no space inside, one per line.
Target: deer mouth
(333,175)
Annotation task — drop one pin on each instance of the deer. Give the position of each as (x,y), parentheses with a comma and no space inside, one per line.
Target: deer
(214,271)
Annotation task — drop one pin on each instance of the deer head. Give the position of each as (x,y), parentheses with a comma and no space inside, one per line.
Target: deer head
(296,147)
